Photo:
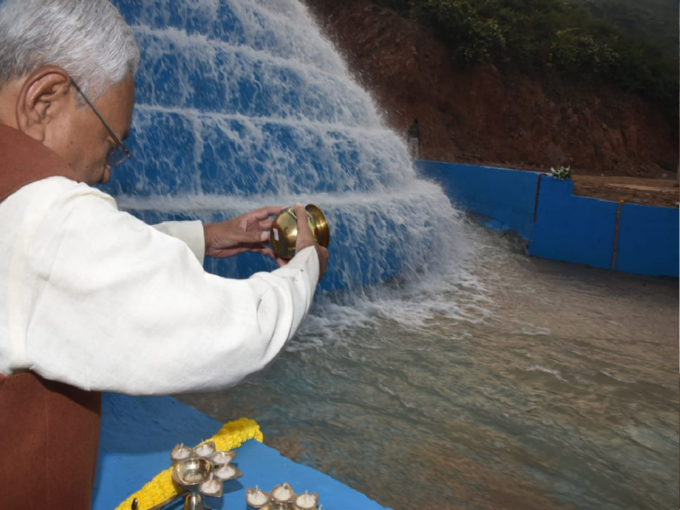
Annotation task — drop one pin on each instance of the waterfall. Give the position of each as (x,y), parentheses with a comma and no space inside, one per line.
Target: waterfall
(244,103)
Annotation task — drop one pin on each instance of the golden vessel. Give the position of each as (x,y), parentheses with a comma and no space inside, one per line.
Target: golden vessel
(284,231)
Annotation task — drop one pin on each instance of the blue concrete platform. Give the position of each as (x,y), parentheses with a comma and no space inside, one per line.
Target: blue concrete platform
(139,432)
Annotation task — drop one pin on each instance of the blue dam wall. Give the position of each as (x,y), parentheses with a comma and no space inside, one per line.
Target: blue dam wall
(568,228)
(242,104)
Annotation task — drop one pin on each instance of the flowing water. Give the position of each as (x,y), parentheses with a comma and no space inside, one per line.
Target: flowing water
(446,369)
(243,103)
(526,384)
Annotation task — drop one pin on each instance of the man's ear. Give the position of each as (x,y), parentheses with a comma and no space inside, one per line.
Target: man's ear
(44,95)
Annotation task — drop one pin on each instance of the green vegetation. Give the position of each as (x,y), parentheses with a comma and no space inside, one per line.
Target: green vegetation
(562,173)
(540,35)
(654,20)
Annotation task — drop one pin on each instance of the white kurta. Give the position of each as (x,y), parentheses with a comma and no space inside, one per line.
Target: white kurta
(98,299)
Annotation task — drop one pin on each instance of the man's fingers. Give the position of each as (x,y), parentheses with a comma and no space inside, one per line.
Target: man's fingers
(266,224)
(266,212)
(305,238)
(267,252)
(255,236)
(302,222)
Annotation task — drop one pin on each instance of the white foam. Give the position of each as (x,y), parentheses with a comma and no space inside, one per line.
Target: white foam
(335,151)
(539,368)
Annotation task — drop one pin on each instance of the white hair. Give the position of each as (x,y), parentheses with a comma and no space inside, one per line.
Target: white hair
(89,39)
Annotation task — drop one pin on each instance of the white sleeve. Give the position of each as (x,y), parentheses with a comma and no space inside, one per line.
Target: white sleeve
(191,232)
(119,306)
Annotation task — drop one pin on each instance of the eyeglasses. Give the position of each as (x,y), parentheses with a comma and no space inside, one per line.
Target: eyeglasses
(119,154)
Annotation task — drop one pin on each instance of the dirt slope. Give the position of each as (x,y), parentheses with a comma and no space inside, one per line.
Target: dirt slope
(484,116)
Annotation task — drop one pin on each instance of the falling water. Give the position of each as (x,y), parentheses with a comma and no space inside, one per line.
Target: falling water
(243,103)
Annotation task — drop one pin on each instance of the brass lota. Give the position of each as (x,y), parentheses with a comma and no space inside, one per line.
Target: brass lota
(284,231)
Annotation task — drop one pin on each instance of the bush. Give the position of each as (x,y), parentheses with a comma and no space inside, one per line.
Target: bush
(473,39)
(537,35)
(562,173)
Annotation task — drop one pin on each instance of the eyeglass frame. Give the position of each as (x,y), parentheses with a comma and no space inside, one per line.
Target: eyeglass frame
(119,142)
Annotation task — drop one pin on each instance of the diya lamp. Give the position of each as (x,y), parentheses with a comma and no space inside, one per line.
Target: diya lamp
(282,497)
(284,231)
(257,498)
(306,501)
(205,450)
(211,486)
(202,471)
(224,473)
(283,494)
(180,452)
(223,458)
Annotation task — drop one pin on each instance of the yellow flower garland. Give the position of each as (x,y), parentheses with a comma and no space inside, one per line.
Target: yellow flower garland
(161,488)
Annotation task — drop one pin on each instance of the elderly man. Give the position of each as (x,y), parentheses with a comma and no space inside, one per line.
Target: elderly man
(92,299)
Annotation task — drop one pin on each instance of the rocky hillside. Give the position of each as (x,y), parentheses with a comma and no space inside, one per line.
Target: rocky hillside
(485,116)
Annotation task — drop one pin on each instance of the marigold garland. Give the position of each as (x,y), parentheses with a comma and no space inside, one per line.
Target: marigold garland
(161,487)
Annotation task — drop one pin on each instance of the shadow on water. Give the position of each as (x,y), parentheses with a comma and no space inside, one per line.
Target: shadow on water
(515,383)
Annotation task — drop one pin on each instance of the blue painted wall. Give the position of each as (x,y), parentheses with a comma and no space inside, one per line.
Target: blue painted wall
(570,228)
(573,229)
(497,193)
(648,240)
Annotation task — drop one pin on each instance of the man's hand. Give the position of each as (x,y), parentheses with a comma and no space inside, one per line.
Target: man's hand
(248,232)
(305,239)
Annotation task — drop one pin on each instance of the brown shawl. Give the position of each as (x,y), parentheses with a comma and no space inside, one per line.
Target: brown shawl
(49,431)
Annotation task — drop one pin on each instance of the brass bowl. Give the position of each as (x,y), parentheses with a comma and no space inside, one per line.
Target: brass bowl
(189,473)
(284,230)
